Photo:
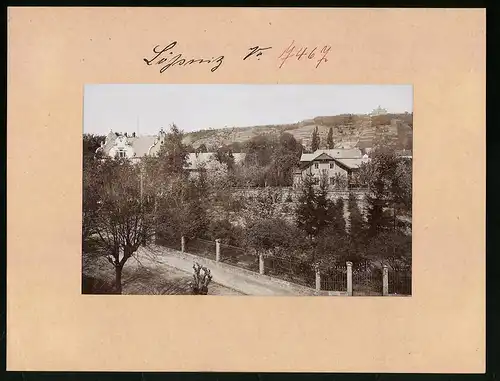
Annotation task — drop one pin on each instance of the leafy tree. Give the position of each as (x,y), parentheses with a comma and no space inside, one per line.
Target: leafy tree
(389,188)
(92,184)
(224,230)
(173,154)
(217,174)
(336,215)
(333,247)
(182,210)
(91,143)
(356,221)
(259,150)
(285,159)
(252,175)
(306,207)
(202,148)
(225,156)
(315,140)
(315,211)
(403,185)
(329,140)
(393,247)
(264,205)
(272,237)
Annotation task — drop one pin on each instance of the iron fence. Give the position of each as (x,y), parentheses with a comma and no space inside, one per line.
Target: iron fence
(239,257)
(291,270)
(201,247)
(367,279)
(399,280)
(334,279)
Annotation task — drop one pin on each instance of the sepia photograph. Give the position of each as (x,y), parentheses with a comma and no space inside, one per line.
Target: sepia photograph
(267,190)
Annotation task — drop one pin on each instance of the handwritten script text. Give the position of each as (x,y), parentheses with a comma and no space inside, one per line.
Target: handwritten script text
(166,56)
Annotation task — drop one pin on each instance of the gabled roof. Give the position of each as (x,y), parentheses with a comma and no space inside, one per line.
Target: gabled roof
(338,153)
(142,144)
(352,163)
(323,156)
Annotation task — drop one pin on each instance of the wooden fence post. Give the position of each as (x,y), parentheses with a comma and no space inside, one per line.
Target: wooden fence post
(318,279)
(349,278)
(183,244)
(385,280)
(261,264)
(217,250)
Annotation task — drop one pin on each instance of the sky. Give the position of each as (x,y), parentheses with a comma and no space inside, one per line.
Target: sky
(145,108)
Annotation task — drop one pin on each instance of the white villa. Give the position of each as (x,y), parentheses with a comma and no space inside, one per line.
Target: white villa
(333,164)
(131,147)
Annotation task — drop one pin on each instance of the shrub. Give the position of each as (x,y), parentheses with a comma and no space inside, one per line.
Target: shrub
(201,279)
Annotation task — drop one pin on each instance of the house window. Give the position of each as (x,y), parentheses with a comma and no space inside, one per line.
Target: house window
(121,154)
(332,165)
(332,180)
(316,165)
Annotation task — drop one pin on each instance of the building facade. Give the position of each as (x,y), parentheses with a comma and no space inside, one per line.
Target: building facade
(337,166)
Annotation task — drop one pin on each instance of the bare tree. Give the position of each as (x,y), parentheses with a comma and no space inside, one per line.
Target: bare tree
(125,218)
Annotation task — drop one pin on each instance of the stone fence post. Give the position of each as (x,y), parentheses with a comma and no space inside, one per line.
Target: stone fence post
(261,263)
(183,244)
(349,278)
(318,279)
(385,280)
(217,250)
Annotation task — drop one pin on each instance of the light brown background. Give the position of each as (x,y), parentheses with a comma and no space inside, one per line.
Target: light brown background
(51,326)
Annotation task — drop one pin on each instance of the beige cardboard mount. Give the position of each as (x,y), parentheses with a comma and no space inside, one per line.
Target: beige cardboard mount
(54,52)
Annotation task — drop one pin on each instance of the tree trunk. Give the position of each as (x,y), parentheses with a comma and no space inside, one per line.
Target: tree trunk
(118,279)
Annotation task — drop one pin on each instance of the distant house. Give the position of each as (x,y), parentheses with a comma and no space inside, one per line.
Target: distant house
(337,166)
(137,147)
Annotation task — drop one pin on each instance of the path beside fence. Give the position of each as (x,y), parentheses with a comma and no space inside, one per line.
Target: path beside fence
(242,280)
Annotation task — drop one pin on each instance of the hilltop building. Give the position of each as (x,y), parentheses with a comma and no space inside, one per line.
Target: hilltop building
(379,111)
